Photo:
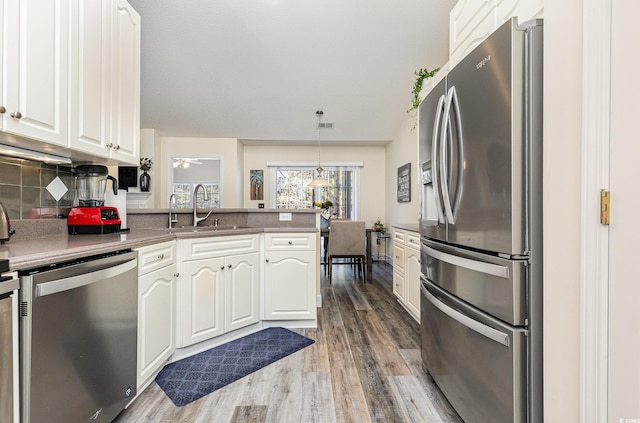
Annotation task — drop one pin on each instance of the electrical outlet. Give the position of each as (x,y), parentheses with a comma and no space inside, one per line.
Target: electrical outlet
(285,217)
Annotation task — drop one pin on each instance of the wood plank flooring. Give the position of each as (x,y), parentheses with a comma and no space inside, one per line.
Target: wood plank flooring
(365,366)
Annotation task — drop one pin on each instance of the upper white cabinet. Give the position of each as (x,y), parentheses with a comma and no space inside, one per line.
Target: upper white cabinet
(471,21)
(105,79)
(125,71)
(35,59)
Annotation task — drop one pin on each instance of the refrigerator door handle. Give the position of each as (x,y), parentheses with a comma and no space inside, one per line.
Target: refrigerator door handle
(484,330)
(436,183)
(456,108)
(478,266)
(443,157)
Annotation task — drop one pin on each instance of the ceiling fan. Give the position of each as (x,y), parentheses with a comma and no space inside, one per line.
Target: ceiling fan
(184,162)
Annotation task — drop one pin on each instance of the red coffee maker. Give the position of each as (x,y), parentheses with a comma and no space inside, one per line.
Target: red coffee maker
(91,216)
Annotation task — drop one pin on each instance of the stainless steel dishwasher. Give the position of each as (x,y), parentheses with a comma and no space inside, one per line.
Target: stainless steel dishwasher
(8,346)
(78,323)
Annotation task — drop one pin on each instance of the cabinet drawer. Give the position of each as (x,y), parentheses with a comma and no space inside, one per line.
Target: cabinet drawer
(290,241)
(156,256)
(399,251)
(413,240)
(399,236)
(199,248)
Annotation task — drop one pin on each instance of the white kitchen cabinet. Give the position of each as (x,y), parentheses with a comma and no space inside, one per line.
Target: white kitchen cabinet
(290,272)
(219,286)
(406,270)
(471,21)
(125,91)
(105,79)
(35,59)
(156,308)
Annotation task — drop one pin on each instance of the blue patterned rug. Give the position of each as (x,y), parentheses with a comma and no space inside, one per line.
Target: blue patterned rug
(193,377)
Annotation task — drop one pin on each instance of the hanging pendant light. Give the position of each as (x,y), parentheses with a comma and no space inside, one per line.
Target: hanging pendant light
(319,181)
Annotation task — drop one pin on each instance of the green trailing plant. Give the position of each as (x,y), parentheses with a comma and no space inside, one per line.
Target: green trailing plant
(422,75)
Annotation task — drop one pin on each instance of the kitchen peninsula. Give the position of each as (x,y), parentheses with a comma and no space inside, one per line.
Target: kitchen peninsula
(198,286)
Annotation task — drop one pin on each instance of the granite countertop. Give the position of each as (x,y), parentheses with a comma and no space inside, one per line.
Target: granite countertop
(40,252)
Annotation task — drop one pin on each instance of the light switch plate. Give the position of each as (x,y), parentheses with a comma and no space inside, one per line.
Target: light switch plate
(285,217)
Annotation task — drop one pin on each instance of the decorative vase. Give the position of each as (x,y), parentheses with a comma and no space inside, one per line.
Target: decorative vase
(145,181)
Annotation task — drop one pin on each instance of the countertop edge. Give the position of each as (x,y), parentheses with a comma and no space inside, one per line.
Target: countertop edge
(31,253)
(413,227)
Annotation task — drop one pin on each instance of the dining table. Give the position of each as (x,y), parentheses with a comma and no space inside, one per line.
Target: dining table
(324,233)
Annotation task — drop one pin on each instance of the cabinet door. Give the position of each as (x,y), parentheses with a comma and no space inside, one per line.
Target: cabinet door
(242,291)
(89,81)
(290,285)
(36,65)
(412,282)
(202,291)
(156,311)
(125,117)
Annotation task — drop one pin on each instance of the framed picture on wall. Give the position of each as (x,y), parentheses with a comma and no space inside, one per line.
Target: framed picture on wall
(404,183)
(256,179)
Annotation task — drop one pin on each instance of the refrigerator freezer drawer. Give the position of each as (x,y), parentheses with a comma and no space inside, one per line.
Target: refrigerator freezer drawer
(495,285)
(478,362)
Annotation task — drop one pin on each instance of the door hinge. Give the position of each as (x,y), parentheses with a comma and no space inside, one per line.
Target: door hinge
(604,207)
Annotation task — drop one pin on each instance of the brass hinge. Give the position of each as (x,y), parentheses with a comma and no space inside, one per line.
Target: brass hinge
(604,207)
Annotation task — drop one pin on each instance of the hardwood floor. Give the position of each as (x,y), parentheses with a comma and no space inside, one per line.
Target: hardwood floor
(365,366)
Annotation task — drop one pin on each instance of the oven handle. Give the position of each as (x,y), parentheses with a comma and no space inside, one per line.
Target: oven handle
(53,287)
(478,266)
(484,330)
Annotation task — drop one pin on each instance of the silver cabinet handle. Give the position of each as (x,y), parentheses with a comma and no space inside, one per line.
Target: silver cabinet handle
(117,147)
(267,260)
(290,242)
(3,110)
(110,145)
(229,266)
(222,267)
(484,330)
(176,275)
(161,256)
(16,115)
(478,266)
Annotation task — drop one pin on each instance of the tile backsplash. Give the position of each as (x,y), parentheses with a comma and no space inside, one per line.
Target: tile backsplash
(24,193)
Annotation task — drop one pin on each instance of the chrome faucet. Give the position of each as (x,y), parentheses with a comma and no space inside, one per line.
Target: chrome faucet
(172,219)
(197,219)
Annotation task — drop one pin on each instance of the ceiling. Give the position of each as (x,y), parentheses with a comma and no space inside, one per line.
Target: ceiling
(258,70)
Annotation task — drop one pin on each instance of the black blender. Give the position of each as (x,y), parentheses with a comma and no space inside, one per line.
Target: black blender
(91,216)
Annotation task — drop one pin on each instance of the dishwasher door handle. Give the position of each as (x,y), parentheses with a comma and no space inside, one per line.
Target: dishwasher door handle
(60,285)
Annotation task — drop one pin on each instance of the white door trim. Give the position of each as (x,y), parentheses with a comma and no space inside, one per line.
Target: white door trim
(594,279)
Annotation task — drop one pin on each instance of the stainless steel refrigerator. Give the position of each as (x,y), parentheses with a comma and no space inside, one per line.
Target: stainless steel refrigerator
(480,135)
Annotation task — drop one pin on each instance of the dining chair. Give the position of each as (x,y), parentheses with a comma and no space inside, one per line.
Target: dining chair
(347,239)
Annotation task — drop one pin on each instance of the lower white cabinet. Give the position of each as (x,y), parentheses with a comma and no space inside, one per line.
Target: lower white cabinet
(156,308)
(219,290)
(406,270)
(290,274)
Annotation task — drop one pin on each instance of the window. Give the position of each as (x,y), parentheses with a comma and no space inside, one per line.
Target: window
(187,172)
(184,192)
(291,191)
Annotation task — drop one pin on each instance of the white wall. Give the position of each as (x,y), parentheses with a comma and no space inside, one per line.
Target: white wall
(372,177)
(402,150)
(562,209)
